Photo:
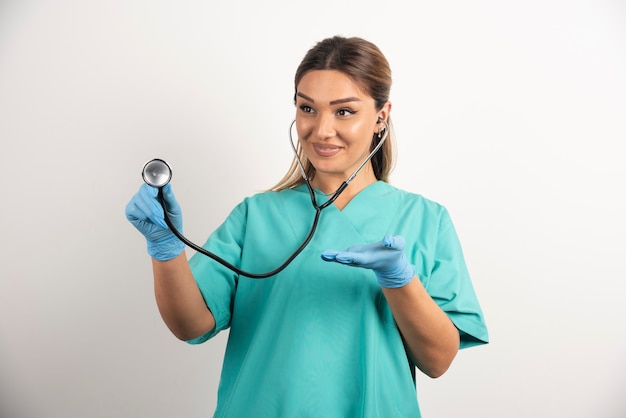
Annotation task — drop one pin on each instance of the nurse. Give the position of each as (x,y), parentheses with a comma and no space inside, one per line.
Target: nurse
(382,289)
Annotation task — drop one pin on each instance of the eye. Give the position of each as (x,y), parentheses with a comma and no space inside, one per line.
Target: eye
(306,109)
(345,112)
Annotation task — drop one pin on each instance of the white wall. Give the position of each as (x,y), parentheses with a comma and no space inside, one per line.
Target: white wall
(512,114)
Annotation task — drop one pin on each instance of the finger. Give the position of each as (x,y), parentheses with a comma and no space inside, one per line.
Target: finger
(345,258)
(353,259)
(147,203)
(342,257)
(329,255)
(133,214)
(170,200)
(394,242)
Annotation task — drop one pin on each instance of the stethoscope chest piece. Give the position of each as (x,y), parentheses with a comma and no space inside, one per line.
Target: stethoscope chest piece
(156,173)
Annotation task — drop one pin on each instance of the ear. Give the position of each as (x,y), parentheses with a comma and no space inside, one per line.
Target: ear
(383,114)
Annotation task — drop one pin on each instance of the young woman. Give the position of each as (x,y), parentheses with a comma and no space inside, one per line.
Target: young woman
(381,288)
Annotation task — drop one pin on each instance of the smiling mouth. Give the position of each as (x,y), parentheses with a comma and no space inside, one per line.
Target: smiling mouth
(326,150)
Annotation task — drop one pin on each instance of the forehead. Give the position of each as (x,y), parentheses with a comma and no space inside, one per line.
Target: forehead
(329,85)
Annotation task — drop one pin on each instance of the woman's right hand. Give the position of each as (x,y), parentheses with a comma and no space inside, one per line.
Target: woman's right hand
(145,212)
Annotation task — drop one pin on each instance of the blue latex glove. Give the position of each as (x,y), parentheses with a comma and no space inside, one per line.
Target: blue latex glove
(145,212)
(386,258)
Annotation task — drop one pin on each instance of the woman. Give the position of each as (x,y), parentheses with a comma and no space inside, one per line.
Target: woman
(323,338)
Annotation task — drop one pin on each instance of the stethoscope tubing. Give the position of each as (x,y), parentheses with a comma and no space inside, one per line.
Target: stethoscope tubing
(318,210)
(230,266)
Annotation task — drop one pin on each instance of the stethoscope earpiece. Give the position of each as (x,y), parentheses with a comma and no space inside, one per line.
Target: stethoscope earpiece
(156,173)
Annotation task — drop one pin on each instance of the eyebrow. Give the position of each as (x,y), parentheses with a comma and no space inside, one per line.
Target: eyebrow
(333,102)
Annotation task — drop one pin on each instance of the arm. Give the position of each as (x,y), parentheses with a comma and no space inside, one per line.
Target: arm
(179,300)
(431,337)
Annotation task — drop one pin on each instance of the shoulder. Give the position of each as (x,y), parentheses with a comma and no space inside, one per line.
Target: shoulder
(271,201)
(412,202)
(272,197)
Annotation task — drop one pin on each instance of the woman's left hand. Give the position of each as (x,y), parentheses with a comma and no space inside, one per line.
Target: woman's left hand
(385,258)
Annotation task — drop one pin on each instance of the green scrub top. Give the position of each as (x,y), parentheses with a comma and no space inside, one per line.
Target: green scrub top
(318,339)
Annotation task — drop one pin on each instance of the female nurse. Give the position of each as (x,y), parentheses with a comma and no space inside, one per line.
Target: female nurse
(381,289)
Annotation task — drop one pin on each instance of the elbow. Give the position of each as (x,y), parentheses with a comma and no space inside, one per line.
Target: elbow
(185,332)
(187,328)
(437,365)
(180,332)
(186,335)
(435,369)
(435,372)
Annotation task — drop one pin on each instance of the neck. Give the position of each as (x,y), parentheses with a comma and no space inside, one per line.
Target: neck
(328,184)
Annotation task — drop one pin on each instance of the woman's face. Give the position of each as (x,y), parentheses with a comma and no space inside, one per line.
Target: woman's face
(335,121)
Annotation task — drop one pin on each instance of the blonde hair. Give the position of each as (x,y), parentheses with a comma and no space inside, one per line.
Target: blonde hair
(366,65)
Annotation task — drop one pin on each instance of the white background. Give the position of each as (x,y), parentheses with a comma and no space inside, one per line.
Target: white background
(511,114)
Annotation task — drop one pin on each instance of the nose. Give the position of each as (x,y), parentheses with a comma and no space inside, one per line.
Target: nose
(325,127)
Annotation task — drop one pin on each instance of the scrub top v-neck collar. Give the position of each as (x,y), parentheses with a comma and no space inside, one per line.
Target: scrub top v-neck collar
(367,192)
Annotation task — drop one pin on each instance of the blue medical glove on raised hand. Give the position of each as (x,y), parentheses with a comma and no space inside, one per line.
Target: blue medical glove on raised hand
(385,258)
(145,212)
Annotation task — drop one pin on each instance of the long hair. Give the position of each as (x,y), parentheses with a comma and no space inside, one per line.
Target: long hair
(366,65)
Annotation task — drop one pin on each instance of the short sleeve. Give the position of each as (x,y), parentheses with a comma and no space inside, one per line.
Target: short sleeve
(451,288)
(217,283)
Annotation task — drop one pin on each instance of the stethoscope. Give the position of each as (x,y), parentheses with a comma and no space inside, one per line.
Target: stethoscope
(158,173)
